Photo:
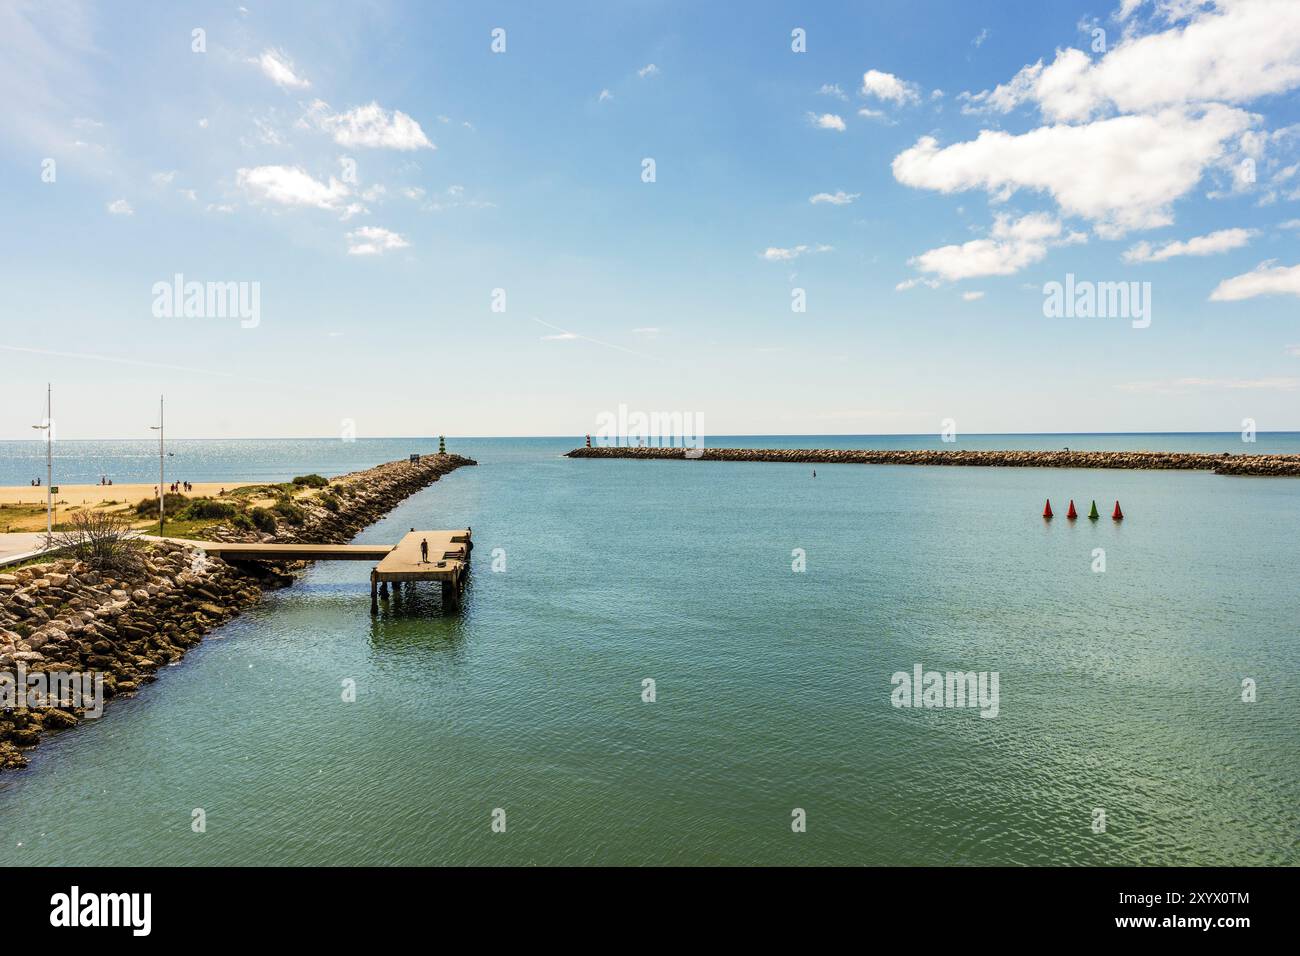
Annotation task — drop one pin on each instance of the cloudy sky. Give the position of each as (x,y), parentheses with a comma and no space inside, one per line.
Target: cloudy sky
(451,238)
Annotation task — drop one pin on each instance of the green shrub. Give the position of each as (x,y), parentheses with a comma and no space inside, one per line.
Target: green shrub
(331,502)
(174,503)
(263,520)
(242,522)
(311,481)
(203,509)
(289,511)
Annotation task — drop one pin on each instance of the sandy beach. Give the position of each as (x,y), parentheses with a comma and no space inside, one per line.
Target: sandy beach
(99,494)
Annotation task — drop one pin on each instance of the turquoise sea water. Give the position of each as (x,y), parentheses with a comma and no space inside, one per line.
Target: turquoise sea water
(1118,690)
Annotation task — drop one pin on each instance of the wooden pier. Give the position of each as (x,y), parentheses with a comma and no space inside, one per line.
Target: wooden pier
(441,556)
(445,559)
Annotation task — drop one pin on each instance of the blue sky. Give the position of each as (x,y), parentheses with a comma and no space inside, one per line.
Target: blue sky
(378,171)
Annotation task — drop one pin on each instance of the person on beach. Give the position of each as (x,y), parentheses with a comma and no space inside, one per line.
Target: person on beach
(424,551)
(814,472)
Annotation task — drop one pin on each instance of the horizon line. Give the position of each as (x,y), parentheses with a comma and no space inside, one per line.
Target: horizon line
(1283,431)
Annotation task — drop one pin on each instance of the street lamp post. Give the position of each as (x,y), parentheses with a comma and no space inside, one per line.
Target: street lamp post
(162,489)
(48,428)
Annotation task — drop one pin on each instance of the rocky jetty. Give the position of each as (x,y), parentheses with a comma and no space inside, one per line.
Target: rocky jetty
(350,503)
(1221,464)
(63,615)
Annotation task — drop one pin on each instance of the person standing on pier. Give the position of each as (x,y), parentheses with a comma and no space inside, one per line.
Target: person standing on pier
(424,550)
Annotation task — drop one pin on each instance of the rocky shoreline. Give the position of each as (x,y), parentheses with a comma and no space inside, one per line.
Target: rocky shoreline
(1221,464)
(63,615)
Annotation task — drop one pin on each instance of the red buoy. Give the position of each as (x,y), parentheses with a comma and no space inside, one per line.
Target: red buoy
(1072,514)
(1047,509)
(1117,515)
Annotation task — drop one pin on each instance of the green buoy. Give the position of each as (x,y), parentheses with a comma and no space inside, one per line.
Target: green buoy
(1094,514)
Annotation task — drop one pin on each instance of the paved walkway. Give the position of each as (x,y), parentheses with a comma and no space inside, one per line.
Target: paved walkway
(18,546)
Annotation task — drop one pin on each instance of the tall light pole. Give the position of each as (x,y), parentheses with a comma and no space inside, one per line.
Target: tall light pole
(48,428)
(162,489)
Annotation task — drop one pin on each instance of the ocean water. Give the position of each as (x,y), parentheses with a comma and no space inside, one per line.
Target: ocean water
(279,459)
(1118,691)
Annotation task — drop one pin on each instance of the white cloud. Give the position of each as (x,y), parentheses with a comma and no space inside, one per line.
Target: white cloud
(203,123)
(373,241)
(220,207)
(1013,245)
(291,186)
(267,134)
(604,95)
(455,199)
(163,179)
(1215,242)
(826,121)
(561,337)
(888,87)
(777,254)
(648,70)
(278,68)
(917,281)
(120,207)
(867,113)
(972,296)
(839,198)
(1122,173)
(1290,224)
(370,125)
(413,192)
(1292,350)
(1265,279)
(1231,53)
(1126,8)
(980,37)
(833,89)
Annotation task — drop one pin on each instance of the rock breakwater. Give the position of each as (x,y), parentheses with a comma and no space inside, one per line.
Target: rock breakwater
(64,615)
(1222,464)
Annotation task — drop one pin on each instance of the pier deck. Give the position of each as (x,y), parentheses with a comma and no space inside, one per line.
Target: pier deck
(448,561)
(447,564)
(295,552)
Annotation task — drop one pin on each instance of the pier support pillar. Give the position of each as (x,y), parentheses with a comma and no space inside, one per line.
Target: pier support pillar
(374,599)
(383,590)
(450,596)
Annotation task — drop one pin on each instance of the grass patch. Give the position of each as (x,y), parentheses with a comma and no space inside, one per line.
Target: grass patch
(196,528)
(263,491)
